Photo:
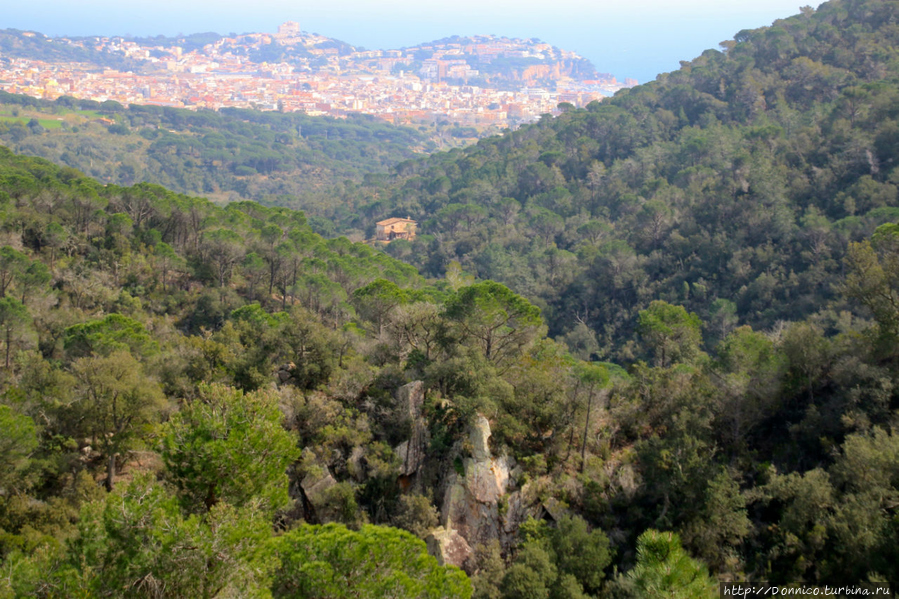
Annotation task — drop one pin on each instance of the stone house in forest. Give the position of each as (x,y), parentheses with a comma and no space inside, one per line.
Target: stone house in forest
(395,228)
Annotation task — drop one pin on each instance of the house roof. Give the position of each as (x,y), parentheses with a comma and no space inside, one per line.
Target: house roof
(394,221)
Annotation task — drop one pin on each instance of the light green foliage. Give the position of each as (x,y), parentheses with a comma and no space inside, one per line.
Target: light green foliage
(456,277)
(18,440)
(115,404)
(722,317)
(499,322)
(137,543)
(376,300)
(228,446)
(665,570)
(873,278)
(254,317)
(671,332)
(109,334)
(335,562)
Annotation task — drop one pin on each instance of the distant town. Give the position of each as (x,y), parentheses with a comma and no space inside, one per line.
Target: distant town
(482,81)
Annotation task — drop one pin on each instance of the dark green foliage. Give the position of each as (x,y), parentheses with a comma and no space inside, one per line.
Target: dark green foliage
(566,561)
(720,234)
(742,177)
(14,324)
(114,402)
(233,153)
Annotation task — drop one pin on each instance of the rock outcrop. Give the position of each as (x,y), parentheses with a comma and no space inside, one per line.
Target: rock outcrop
(483,504)
(284,374)
(315,485)
(411,399)
(449,547)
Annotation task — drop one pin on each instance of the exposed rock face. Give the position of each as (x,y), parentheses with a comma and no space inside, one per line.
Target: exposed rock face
(411,399)
(479,436)
(285,373)
(355,464)
(449,547)
(315,485)
(479,505)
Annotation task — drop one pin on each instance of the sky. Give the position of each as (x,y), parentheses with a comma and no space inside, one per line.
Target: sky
(628,38)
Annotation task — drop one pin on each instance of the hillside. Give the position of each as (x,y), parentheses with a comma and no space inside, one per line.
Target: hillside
(227,374)
(37,46)
(228,155)
(732,186)
(501,62)
(217,401)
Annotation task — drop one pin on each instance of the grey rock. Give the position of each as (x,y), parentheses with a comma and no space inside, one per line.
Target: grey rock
(315,485)
(411,398)
(449,547)
(412,452)
(479,435)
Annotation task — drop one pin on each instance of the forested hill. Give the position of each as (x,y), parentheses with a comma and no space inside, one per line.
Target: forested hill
(267,409)
(732,186)
(233,154)
(204,401)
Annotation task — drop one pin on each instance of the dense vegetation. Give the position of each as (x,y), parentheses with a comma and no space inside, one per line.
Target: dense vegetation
(230,154)
(204,401)
(732,186)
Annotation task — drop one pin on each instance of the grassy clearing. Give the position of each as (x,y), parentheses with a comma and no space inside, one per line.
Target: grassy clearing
(45,123)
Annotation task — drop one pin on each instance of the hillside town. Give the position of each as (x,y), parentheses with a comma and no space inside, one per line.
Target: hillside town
(474,81)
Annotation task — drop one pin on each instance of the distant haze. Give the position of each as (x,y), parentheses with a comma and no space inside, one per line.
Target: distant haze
(637,38)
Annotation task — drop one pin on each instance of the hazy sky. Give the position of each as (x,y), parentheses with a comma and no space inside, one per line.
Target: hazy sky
(636,38)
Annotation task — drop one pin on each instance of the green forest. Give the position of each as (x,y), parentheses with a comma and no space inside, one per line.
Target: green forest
(233,154)
(635,350)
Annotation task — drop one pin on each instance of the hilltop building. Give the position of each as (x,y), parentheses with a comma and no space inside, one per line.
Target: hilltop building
(288,29)
(395,228)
